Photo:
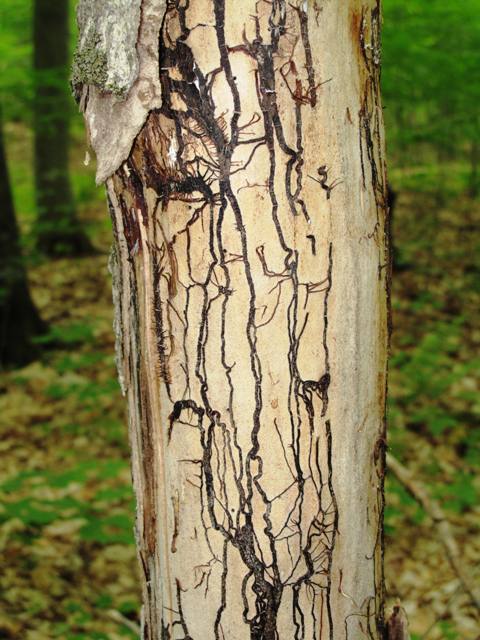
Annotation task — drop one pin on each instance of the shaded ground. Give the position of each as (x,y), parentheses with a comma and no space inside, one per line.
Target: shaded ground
(435,409)
(66,522)
(67,515)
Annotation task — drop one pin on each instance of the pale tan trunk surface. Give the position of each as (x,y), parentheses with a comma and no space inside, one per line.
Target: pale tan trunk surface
(251,280)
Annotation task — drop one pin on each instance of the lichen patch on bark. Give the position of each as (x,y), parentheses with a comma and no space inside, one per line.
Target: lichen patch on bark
(106,54)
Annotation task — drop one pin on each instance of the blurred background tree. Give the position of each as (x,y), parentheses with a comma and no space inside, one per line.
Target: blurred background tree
(67,511)
(431,93)
(20,320)
(58,229)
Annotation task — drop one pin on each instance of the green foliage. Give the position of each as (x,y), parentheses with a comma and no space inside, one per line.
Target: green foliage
(431,56)
(448,630)
(400,504)
(109,529)
(16,78)
(72,334)
(460,494)
(428,375)
(100,519)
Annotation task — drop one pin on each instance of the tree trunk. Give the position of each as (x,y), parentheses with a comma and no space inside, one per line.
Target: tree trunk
(251,276)
(19,318)
(473,179)
(57,227)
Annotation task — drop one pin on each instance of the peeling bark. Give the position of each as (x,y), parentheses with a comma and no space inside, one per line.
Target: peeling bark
(251,279)
(115,74)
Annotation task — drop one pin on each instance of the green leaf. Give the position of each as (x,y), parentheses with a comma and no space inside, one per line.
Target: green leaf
(71,334)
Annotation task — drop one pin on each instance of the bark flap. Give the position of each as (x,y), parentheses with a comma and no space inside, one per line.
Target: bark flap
(115,74)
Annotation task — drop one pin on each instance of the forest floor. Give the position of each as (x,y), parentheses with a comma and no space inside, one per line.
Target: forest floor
(69,565)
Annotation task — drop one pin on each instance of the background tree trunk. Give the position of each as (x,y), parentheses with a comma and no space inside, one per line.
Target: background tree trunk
(251,275)
(473,179)
(19,318)
(58,229)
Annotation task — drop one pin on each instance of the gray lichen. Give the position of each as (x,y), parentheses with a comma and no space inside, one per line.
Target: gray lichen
(90,63)
(106,55)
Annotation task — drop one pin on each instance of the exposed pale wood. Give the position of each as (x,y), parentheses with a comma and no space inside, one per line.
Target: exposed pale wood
(251,280)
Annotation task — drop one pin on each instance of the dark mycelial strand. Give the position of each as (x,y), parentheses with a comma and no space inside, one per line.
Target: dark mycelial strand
(268,600)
